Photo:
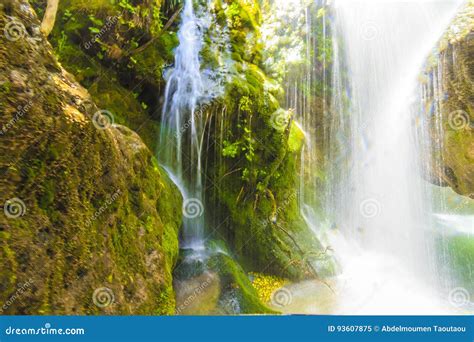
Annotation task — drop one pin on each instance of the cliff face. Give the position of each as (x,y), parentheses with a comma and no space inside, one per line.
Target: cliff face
(119,54)
(449,98)
(90,221)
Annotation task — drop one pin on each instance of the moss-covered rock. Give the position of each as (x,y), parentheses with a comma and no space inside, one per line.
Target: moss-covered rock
(118,51)
(237,295)
(90,220)
(253,160)
(210,281)
(448,89)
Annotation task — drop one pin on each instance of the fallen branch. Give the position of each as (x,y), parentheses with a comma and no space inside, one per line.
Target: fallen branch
(165,28)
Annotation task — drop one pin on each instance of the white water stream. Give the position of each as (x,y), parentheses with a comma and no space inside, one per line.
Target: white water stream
(376,203)
(380,206)
(182,131)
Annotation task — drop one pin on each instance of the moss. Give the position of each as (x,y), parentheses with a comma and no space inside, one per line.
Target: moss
(254,165)
(451,63)
(296,138)
(97,42)
(234,279)
(99,212)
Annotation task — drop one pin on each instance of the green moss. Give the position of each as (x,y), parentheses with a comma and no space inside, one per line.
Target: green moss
(47,197)
(296,138)
(265,229)
(234,279)
(120,80)
(9,268)
(5,88)
(99,212)
(453,164)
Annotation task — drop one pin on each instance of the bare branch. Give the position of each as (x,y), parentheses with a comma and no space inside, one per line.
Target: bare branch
(49,17)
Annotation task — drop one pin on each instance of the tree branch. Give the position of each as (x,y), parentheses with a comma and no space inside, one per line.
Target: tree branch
(49,18)
(165,28)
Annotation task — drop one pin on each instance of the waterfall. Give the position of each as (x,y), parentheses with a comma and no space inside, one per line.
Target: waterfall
(300,36)
(182,130)
(379,203)
(189,90)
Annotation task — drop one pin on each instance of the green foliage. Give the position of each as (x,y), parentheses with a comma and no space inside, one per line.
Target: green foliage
(245,104)
(231,149)
(126,5)
(257,176)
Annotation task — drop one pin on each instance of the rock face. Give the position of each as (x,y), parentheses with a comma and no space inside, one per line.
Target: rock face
(90,222)
(119,52)
(449,95)
(253,157)
(251,166)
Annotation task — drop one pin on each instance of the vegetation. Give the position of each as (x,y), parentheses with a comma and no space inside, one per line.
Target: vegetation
(79,130)
(90,207)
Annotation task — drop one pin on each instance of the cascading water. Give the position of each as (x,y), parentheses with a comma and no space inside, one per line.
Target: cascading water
(295,33)
(189,88)
(375,197)
(181,136)
(385,250)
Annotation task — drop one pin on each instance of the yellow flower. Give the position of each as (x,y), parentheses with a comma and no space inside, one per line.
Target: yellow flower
(266,285)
